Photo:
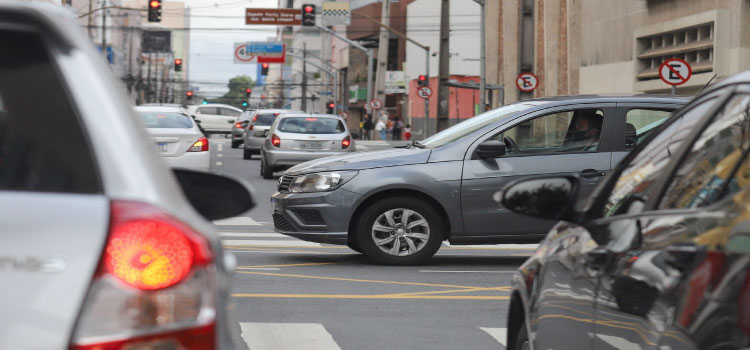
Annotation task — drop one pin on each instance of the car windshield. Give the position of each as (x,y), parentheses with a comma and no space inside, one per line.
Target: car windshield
(458,131)
(161,120)
(311,125)
(265,119)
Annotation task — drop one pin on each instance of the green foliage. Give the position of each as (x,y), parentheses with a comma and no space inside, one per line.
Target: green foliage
(236,94)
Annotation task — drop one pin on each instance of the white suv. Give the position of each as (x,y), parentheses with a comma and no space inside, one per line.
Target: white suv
(215,118)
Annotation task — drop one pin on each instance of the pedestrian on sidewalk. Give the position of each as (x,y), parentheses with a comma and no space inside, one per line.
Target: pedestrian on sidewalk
(407,132)
(398,126)
(368,126)
(380,127)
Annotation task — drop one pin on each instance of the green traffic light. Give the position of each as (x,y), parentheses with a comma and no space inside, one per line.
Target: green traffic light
(244,104)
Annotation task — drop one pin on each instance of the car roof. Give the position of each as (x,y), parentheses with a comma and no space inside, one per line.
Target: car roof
(298,114)
(615,98)
(213,105)
(284,111)
(159,109)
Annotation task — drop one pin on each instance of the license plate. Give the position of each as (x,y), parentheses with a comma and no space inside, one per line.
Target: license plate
(162,146)
(310,145)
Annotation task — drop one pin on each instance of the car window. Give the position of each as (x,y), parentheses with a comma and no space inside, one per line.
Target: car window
(561,132)
(311,125)
(473,124)
(166,120)
(42,145)
(638,179)
(229,112)
(265,119)
(208,110)
(640,122)
(709,166)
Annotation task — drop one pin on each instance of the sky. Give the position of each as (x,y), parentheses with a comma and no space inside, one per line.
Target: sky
(215,26)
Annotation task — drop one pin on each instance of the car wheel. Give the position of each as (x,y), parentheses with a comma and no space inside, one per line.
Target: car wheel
(354,246)
(399,231)
(522,339)
(265,170)
(247,154)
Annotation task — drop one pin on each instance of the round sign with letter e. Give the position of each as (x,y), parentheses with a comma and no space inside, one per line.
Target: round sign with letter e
(675,71)
(527,82)
(376,104)
(424,92)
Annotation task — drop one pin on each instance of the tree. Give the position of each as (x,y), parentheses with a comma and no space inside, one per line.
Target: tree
(237,91)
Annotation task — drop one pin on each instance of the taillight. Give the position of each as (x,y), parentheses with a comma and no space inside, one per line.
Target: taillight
(250,127)
(346,142)
(275,140)
(199,146)
(238,125)
(154,288)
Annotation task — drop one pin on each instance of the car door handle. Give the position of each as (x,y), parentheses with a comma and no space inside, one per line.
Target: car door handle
(591,173)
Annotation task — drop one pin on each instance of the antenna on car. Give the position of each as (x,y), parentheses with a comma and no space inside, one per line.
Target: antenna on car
(709,82)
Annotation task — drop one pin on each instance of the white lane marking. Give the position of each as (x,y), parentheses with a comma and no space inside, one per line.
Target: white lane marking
(285,252)
(500,334)
(221,147)
(259,268)
(218,163)
(464,271)
(253,234)
(294,243)
(219,155)
(497,246)
(237,221)
(287,336)
(619,342)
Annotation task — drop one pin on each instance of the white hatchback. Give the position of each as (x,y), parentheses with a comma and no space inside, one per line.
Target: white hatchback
(177,137)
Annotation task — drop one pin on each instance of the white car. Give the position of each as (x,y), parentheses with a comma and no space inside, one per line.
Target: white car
(215,118)
(177,137)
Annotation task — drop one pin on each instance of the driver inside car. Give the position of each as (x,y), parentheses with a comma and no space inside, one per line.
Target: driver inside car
(584,131)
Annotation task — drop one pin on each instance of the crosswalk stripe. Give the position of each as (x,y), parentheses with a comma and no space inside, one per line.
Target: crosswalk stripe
(268,243)
(287,336)
(495,246)
(253,234)
(500,334)
(238,221)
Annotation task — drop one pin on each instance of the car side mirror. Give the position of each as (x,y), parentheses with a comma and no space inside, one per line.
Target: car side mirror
(550,197)
(230,121)
(490,149)
(196,120)
(214,196)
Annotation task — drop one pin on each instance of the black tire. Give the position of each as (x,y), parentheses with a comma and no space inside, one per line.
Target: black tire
(247,154)
(265,171)
(354,246)
(236,144)
(425,248)
(522,339)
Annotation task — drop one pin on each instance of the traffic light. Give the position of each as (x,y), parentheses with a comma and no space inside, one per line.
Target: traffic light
(264,69)
(308,15)
(189,94)
(205,102)
(248,91)
(177,65)
(154,10)
(422,80)
(244,104)
(330,107)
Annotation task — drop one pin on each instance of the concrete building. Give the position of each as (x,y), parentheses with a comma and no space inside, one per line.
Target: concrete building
(613,46)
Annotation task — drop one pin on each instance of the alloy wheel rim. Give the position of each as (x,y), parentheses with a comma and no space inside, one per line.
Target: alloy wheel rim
(400,232)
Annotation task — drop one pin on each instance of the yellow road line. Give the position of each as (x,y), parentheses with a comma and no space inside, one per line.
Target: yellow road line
(376,296)
(357,280)
(289,265)
(462,290)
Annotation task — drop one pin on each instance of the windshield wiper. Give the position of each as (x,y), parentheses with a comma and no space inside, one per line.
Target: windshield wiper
(416,144)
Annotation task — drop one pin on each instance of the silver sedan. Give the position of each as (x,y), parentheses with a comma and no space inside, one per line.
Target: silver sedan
(298,138)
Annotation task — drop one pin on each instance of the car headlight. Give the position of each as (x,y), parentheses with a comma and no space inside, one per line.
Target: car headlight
(320,182)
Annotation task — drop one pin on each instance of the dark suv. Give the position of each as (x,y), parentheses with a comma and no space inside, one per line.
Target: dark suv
(659,256)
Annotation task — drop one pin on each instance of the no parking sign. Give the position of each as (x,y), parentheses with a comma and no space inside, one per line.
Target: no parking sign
(675,71)
(527,82)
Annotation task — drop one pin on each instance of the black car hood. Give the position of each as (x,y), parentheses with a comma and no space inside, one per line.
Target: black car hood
(364,160)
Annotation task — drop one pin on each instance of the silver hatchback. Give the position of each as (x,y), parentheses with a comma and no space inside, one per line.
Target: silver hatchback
(298,138)
(256,129)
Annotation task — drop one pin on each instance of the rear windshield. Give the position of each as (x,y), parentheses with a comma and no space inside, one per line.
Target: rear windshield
(265,119)
(311,125)
(166,120)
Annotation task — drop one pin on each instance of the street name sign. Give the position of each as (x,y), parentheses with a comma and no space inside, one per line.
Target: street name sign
(675,71)
(424,92)
(285,17)
(527,82)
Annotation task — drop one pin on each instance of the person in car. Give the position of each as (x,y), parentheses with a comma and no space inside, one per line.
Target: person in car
(585,129)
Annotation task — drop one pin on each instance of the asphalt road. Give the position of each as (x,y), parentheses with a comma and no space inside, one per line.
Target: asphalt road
(292,294)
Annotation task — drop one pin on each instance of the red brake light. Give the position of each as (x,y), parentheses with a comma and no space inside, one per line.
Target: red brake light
(238,125)
(199,146)
(311,119)
(346,142)
(275,140)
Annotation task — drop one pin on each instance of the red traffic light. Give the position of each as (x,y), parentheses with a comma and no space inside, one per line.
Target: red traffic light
(265,65)
(331,105)
(248,90)
(189,93)
(309,9)
(154,3)
(422,78)
(177,61)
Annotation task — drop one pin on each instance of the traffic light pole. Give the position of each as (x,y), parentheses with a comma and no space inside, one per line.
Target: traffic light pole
(331,72)
(360,47)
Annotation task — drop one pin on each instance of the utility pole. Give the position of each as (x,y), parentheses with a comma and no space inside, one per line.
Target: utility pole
(444,66)
(104,31)
(482,62)
(382,56)
(304,77)
(91,19)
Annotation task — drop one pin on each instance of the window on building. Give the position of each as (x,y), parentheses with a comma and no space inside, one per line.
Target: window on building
(693,44)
